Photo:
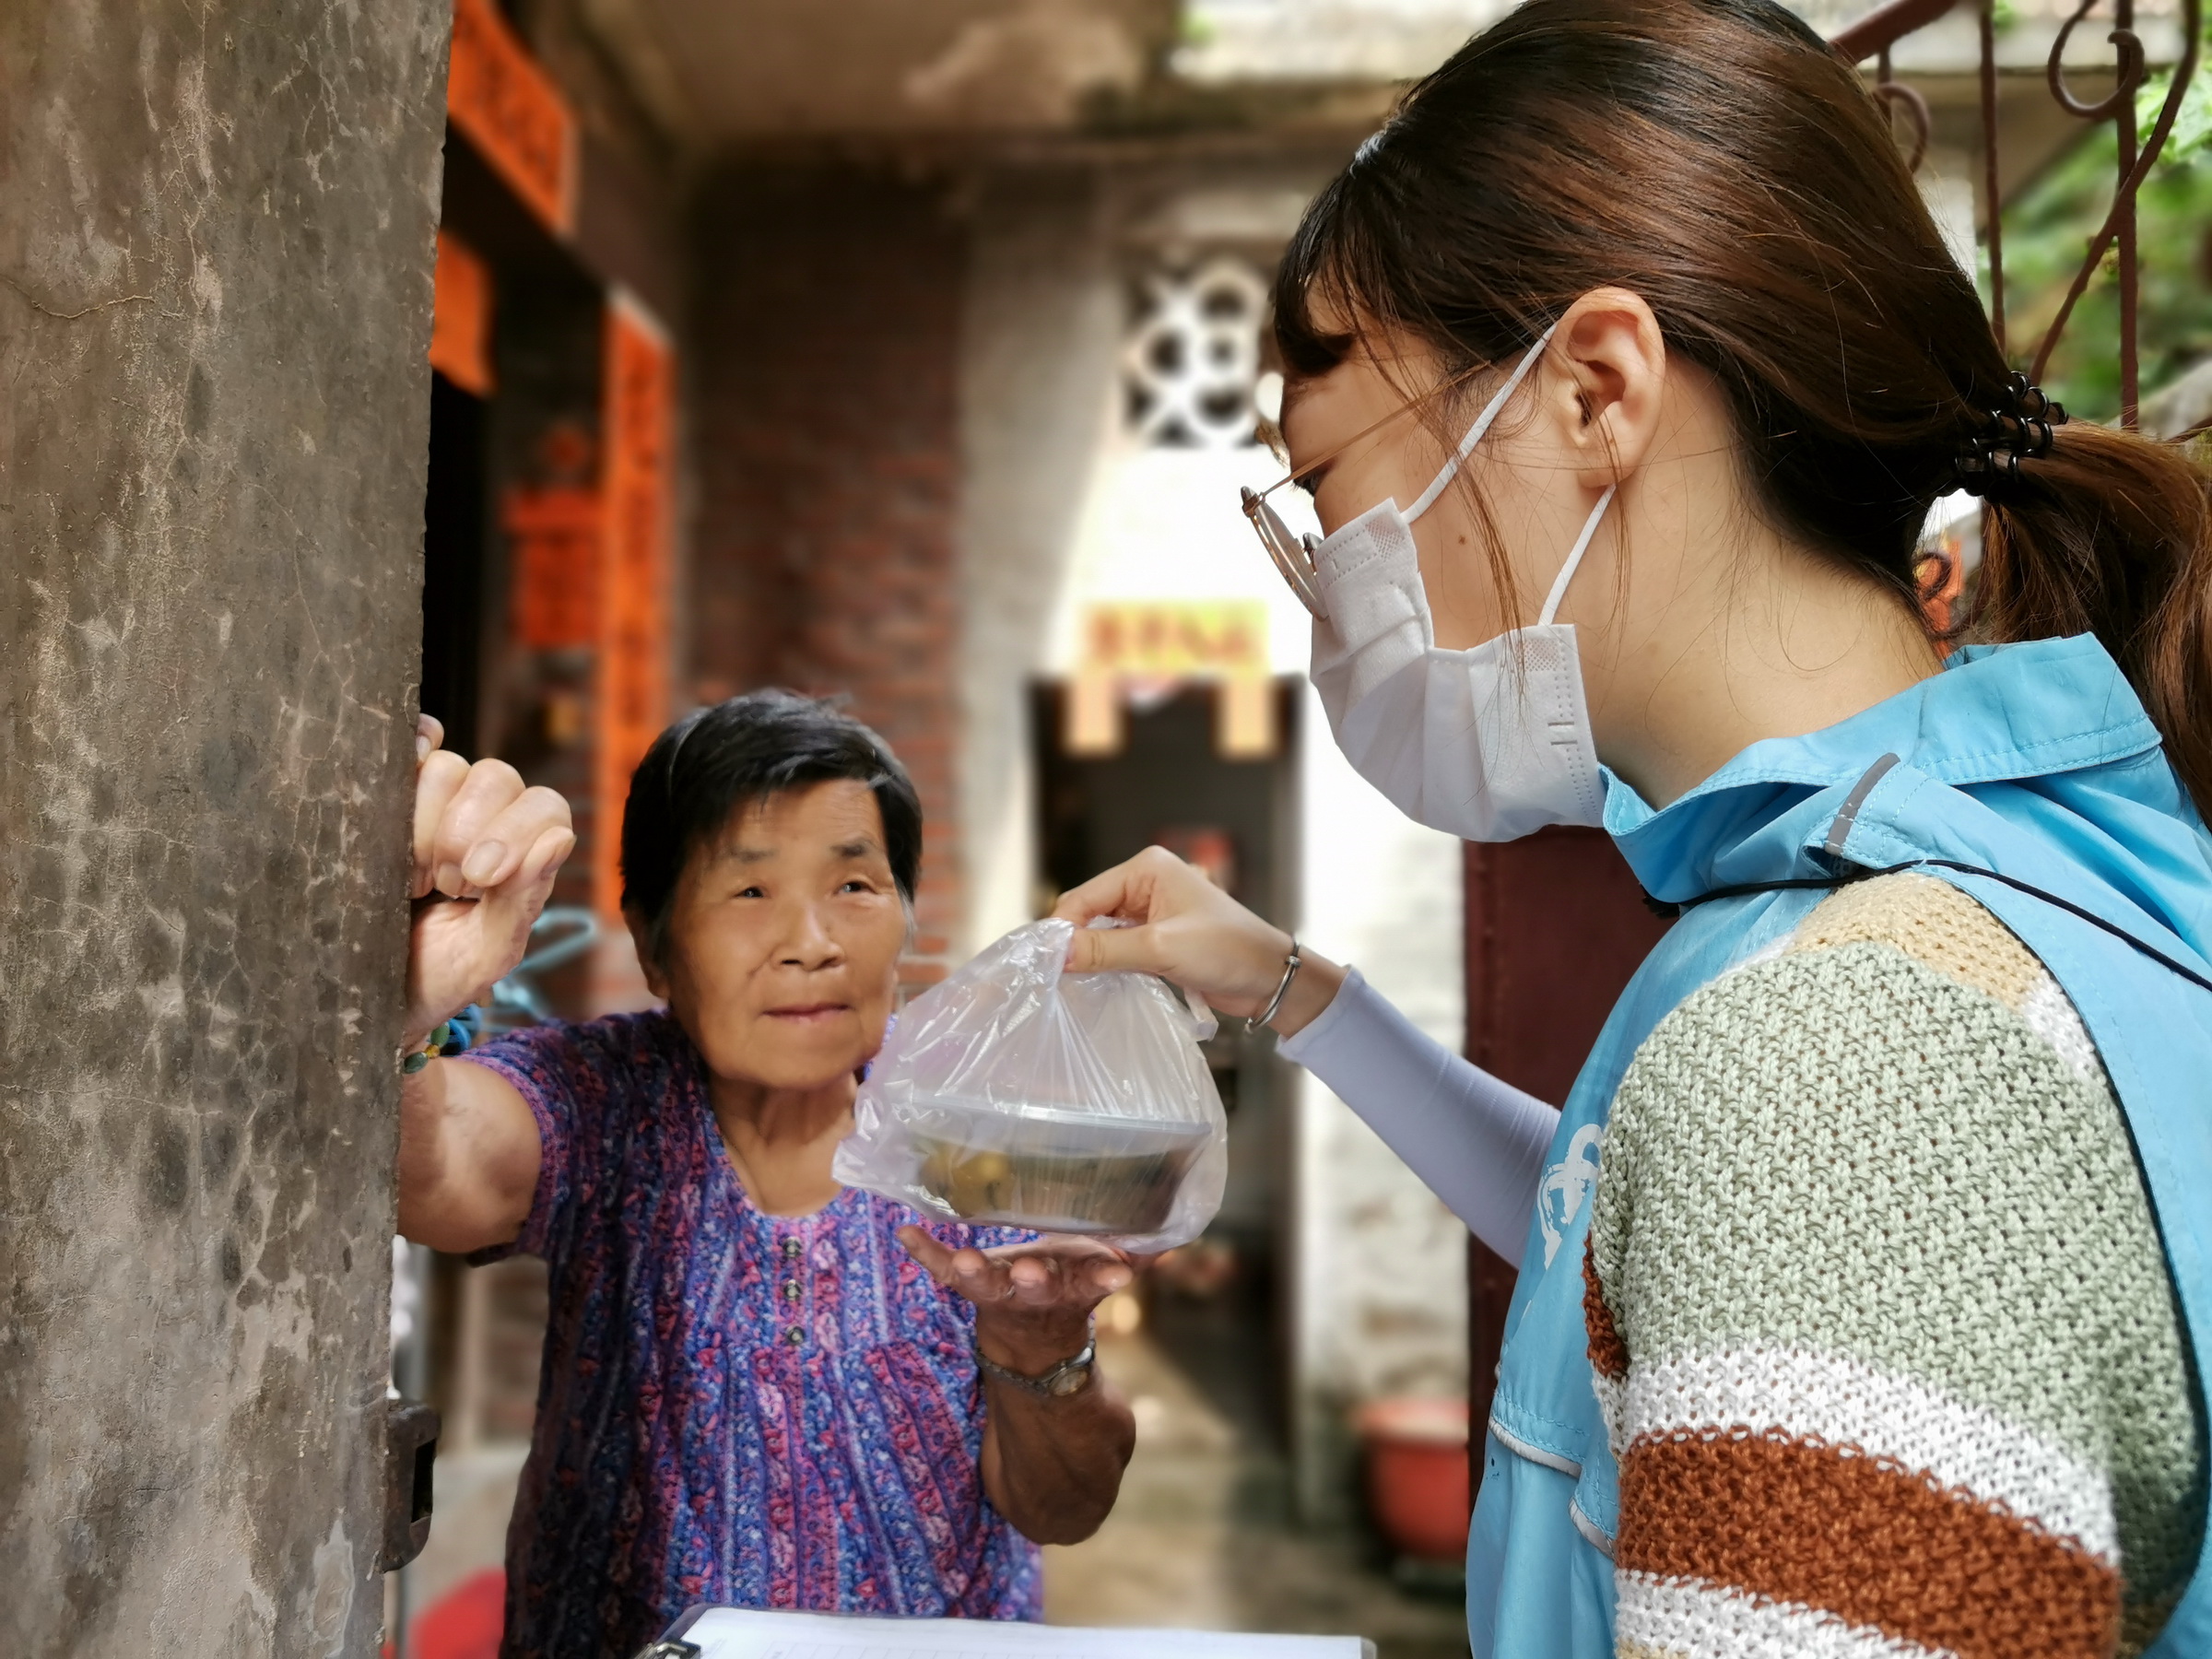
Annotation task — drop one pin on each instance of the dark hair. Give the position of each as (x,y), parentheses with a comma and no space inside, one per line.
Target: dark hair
(704,768)
(1718,158)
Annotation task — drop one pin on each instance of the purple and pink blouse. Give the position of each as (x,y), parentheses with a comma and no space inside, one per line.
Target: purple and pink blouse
(758,1411)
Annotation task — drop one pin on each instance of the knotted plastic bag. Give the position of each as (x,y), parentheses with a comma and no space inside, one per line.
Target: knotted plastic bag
(1014,1094)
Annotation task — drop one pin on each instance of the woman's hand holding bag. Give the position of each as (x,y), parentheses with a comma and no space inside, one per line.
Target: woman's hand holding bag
(1181,926)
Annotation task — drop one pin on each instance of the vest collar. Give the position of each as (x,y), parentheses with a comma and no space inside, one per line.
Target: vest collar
(1994,714)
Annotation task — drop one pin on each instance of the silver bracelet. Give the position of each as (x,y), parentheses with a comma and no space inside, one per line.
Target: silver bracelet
(1291,964)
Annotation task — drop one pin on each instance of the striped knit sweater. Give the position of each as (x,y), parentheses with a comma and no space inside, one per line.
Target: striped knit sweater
(1881,1324)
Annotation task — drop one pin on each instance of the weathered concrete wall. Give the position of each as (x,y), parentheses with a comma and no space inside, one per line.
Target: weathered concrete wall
(1041,350)
(215,292)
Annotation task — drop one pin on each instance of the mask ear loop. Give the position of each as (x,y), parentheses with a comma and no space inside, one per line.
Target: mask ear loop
(1482,425)
(1574,559)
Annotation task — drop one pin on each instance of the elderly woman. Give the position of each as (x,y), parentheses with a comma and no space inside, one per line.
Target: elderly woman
(759,1387)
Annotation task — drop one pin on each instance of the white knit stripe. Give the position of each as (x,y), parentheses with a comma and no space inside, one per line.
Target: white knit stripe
(2051,1015)
(1612,1401)
(1844,1403)
(1688,1618)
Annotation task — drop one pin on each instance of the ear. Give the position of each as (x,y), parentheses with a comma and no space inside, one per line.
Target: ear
(641,937)
(1613,360)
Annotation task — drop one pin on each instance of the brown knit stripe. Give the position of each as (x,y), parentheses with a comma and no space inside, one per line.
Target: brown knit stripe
(1873,1544)
(1608,1353)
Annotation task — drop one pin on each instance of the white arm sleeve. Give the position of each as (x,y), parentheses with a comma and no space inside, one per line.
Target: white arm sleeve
(1477,1143)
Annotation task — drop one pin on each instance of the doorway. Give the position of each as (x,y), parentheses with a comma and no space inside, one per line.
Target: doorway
(452,563)
(1216,1307)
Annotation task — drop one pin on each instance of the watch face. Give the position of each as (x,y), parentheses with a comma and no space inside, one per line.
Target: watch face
(1071,1380)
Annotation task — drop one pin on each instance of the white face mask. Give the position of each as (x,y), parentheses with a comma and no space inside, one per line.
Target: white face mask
(1488,745)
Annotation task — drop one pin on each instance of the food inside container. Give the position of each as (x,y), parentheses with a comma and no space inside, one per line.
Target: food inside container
(1057,1171)
(1014,1094)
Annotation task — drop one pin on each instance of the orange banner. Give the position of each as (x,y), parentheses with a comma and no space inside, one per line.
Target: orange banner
(461,317)
(556,548)
(636,439)
(512,113)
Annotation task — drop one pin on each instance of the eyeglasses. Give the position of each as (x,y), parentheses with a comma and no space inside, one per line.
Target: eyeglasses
(1292,553)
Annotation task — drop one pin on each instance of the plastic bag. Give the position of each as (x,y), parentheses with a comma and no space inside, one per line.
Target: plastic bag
(1015,1095)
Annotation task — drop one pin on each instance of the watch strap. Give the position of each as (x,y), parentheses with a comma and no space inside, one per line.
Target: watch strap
(1070,1376)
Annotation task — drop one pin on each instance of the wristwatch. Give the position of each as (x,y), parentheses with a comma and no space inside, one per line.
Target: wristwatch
(1068,1377)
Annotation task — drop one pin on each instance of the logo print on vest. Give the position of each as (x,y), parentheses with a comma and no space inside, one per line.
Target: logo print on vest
(1565,1187)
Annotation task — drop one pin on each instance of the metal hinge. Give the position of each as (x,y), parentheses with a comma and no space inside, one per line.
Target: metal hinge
(410,1448)
(669,1648)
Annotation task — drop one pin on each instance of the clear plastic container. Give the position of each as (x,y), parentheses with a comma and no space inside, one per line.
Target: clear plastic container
(1056,1171)
(1015,1095)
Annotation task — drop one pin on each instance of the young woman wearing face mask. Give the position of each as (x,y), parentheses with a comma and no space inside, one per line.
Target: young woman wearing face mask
(1863,1270)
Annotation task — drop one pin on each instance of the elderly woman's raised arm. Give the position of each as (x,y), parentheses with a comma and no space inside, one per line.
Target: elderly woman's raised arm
(485,852)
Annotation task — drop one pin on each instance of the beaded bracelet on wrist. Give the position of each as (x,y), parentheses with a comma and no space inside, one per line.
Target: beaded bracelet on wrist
(453,1036)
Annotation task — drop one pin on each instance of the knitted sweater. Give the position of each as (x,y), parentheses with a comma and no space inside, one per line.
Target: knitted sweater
(1881,1324)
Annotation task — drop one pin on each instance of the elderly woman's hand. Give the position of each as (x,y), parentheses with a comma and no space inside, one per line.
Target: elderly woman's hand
(1032,1302)
(485,852)
(1051,1463)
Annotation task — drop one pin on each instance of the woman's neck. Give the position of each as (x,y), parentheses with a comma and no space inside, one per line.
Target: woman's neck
(780,1141)
(1709,656)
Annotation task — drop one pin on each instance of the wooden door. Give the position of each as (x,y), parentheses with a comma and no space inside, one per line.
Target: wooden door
(1554,926)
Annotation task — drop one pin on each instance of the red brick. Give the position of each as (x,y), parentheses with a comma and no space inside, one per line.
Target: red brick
(826,359)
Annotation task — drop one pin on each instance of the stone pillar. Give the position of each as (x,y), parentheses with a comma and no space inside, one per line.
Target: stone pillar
(215,229)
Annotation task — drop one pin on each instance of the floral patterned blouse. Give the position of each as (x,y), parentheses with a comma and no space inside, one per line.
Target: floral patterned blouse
(733,1408)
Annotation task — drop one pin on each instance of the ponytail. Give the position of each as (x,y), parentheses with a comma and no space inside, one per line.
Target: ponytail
(2110,533)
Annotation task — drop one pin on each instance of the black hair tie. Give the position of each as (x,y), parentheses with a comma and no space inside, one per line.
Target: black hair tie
(1989,460)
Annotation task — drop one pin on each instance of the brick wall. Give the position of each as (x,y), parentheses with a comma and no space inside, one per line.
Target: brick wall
(826,443)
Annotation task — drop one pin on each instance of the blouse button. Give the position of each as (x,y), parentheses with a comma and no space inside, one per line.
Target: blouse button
(794,1336)
(791,1250)
(791,1289)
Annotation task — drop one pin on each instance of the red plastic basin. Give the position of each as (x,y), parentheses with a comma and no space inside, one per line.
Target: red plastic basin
(1417,1475)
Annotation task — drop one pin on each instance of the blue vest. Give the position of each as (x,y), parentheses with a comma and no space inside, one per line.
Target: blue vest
(2035,761)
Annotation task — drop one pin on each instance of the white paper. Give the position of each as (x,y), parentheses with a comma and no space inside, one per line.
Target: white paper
(739,1633)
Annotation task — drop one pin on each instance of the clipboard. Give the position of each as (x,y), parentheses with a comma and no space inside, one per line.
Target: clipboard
(710,1632)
